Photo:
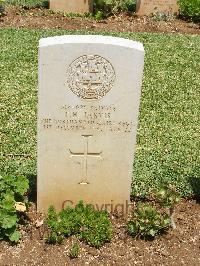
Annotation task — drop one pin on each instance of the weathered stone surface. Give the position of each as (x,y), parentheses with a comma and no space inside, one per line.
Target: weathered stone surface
(148,7)
(89,94)
(72,6)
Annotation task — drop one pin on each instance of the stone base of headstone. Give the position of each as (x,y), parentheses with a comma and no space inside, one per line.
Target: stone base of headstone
(148,7)
(72,6)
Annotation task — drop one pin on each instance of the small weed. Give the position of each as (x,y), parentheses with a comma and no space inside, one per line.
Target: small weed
(147,222)
(109,7)
(163,16)
(12,190)
(77,15)
(74,251)
(99,15)
(167,196)
(83,221)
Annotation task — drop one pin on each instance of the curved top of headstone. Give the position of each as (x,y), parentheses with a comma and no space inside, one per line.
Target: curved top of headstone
(92,39)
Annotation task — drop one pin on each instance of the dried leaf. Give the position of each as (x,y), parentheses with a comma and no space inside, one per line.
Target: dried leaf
(20,206)
(39,223)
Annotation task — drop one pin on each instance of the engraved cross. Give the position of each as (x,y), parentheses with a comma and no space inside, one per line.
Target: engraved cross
(85,155)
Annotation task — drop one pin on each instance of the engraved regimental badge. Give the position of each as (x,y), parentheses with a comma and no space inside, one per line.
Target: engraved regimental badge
(90,76)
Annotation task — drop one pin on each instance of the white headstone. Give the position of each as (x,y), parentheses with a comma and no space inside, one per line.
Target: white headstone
(89,95)
(148,7)
(72,6)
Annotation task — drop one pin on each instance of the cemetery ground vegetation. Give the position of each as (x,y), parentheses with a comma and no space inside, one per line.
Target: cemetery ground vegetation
(147,222)
(190,9)
(109,15)
(104,8)
(74,251)
(156,216)
(169,248)
(12,191)
(168,130)
(94,227)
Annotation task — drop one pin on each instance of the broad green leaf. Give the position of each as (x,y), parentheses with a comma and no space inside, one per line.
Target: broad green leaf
(8,202)
(15,236)
(21,185)
(9,220)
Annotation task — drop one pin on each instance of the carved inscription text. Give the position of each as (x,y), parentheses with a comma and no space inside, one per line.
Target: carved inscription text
(90,118)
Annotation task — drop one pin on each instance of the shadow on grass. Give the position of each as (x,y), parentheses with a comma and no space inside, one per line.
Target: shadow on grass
(194,180)
(32,195)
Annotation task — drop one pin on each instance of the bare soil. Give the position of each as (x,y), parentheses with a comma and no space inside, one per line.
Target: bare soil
(178,247)
(18,17)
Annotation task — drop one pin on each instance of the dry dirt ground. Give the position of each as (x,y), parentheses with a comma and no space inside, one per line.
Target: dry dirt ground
(178,247)
(44,19)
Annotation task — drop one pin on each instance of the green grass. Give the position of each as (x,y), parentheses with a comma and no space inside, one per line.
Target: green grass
(28,3)
(168,134)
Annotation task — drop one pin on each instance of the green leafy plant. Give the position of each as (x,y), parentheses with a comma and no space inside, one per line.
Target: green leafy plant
(73,15)
(99,15)
(12,190)
(74,251)
(108,7)
(163,16)
(147,221)
(190,9)
(2,7)
(83,221)
(167,196)
(129,5)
